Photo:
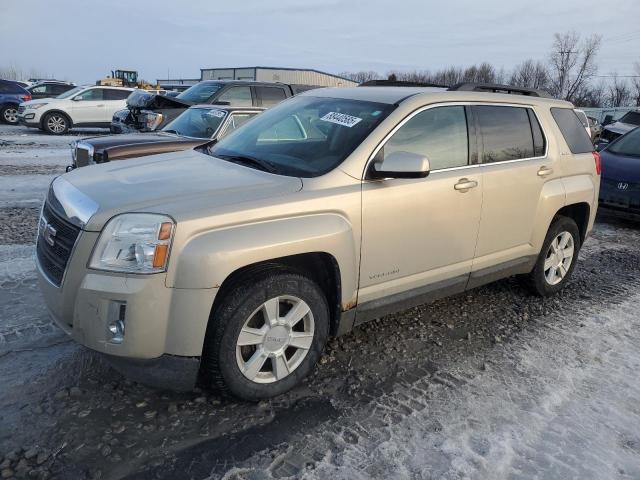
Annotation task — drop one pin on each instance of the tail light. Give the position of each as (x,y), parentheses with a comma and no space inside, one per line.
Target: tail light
(26,98)
(596,157)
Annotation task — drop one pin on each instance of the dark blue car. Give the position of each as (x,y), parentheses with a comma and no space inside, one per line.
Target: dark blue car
(11,95)
(620,181)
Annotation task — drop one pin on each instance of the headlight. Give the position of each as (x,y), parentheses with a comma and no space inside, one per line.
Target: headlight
(151,120)
(36,105)
(134,243)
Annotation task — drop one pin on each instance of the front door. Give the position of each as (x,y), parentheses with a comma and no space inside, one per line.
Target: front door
(88,107)
(419,234)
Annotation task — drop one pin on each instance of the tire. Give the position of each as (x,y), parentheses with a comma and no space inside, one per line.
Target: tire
(9,114)
(56,123)
(233,369)
(542,281)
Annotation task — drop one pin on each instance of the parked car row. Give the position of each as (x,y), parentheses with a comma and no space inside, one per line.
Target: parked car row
(231,263)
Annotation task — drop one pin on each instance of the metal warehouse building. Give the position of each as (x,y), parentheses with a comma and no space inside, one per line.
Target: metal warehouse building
(274,74)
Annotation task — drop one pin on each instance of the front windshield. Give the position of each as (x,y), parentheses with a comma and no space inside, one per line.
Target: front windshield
(628,144)
(305,136)
(631,117)
(197,122)
(200,92)
(71,92)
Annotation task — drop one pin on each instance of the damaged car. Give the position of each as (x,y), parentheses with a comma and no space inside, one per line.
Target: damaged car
(198,125)
(612,131)
(147,112)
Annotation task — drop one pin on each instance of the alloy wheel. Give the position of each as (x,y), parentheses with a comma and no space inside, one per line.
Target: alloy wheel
(56,123)
(275,339)
(11,115)
(559,258)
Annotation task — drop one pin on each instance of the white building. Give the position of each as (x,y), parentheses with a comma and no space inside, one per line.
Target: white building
(274,74)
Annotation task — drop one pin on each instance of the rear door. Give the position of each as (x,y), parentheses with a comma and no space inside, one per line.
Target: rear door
(515,168)
(270,96)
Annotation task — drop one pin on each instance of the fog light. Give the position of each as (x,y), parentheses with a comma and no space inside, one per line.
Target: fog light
(29,116)
(116,321)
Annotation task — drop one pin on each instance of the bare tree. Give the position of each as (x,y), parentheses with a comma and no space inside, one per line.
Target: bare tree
(618,92)
(362,76)
(635,85)
(530,74)
(572,63)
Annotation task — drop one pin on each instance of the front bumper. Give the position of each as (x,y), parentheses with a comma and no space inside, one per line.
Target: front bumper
(164,327)
(28,120)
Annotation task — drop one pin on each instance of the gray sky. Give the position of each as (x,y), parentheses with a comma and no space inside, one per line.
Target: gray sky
(82,40)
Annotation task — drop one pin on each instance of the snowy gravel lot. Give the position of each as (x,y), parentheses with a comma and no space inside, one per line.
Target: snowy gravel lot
(489,384)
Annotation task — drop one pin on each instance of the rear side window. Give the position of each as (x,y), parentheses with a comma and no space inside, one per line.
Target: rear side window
(8,88)
(572,130)
(271,95)
(506,133)
(539,142)
(116,94)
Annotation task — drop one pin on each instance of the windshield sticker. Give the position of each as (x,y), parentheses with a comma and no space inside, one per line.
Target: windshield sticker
(216,113)
(341,119)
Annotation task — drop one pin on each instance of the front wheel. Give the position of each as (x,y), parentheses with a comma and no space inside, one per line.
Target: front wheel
(557,258)
(9,114)
(266,335)
(56,123)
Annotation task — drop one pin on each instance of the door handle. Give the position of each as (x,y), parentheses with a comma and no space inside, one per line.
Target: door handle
(544,171)
(464,185)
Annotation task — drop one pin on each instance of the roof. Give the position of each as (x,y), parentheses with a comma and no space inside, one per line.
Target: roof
(393,95)
(281,68)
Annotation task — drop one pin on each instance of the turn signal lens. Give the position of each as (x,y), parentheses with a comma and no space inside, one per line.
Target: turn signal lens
(165,231)
(160,256)
(598,160)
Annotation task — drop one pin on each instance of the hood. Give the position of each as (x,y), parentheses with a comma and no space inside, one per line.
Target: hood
(108,141)
(147,100)
(619,127)
(40,100)
(177,184)
(620,167)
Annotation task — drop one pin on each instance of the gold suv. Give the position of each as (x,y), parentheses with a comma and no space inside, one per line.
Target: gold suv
(231,264)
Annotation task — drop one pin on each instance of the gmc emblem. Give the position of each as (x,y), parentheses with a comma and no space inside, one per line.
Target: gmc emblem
(47,232)
(623,186)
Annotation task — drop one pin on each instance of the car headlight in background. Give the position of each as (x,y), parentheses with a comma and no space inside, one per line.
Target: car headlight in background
(151,120)
(134,243)
(36,105)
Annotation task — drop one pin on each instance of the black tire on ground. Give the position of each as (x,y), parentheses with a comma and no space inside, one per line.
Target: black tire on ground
(56,123)
(220,369)
(537,281)
(9,114)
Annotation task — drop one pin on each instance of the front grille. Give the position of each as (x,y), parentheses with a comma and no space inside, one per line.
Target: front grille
(21,109)
(627,197)
(82,156)
(53,259)
(608,135)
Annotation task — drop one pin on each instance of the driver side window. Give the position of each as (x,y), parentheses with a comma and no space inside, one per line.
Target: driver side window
(91,94)
(439,133)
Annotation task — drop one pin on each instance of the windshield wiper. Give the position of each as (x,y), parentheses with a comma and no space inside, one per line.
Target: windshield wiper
(250,161)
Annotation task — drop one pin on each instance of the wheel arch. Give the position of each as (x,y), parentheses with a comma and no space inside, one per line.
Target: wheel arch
(321,267)
(579,213)
(55,110)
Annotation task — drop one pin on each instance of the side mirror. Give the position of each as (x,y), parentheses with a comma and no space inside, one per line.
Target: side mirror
(400,165)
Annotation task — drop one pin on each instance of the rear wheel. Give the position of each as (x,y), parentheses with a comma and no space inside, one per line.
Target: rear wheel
(9,114)
(557,258)
(56,123)
(266,335)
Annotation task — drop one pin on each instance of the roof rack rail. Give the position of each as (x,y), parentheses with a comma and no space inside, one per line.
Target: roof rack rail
(497,88)
(399,83)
